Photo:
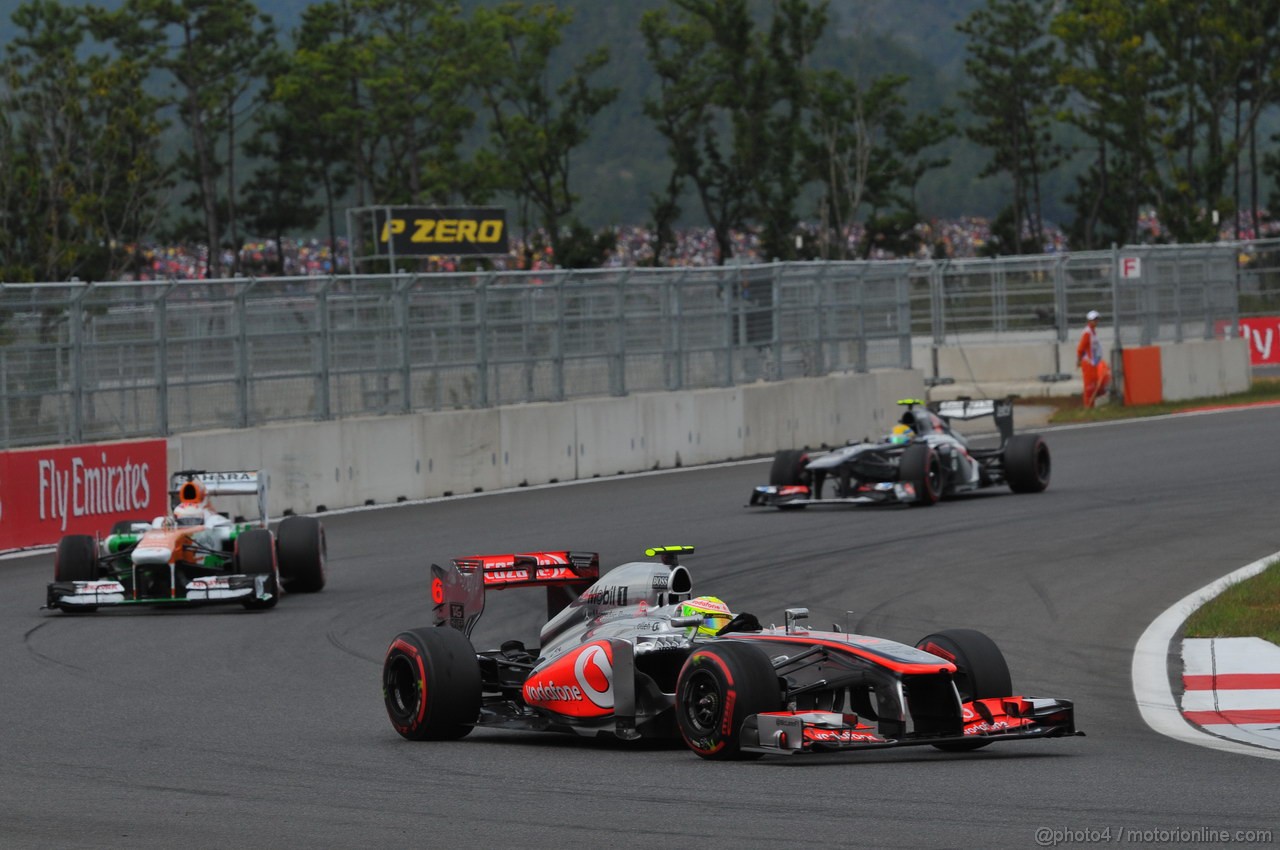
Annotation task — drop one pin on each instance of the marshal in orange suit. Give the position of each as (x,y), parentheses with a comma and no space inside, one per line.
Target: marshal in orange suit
(1097,375)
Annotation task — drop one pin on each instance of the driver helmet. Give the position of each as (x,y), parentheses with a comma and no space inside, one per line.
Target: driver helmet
(901,435)
(191,507)
(714,613)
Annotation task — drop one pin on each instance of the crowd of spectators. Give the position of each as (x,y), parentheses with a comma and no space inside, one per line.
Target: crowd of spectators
(957,238)
(257,257)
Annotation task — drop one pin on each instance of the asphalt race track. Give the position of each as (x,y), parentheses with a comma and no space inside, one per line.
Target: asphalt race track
(224,728)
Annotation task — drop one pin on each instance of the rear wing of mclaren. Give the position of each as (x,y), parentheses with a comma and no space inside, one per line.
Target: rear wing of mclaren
(458,591)
(228,483)
(1000,409)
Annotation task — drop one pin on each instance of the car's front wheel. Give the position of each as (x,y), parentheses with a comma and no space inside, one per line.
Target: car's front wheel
(720,686)
(921,468)
(981,671)
(431,684)
(255,554)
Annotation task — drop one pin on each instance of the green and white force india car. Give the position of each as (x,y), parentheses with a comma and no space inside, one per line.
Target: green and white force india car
(193,555)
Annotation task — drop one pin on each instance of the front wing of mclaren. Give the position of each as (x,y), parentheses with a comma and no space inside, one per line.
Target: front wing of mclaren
(1000,719)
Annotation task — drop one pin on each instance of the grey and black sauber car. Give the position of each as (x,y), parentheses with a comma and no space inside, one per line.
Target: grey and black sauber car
(925,459)
(618,656)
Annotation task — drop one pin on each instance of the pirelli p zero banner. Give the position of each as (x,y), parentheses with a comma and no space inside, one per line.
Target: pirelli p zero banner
(441,231)
(46,493)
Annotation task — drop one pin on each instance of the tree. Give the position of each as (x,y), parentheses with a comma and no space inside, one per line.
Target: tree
(276,198)
(1110,70)
(1013,69)
(732,105)
(80,174)
(867,153)
(778,97)
(318,92)
(535,126)
(219,54)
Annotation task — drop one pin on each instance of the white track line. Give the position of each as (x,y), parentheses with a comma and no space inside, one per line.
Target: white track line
(1151,686)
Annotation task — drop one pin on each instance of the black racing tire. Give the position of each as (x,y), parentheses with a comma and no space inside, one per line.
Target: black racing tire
(721,677)
(921,468)
(255,554)
(300,551)
(981,671)
(431,684)
(788,468)
(76,558)
(1026,463)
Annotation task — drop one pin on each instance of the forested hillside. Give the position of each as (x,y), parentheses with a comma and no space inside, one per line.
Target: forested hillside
(833,129)
(624,161)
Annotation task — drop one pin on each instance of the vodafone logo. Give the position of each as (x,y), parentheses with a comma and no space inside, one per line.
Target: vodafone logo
(594,673)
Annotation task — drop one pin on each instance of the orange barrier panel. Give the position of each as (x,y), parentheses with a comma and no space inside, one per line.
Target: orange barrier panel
(1142,377)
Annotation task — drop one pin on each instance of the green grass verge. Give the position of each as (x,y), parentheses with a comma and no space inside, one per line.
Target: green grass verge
(1069,410)
(1245,609)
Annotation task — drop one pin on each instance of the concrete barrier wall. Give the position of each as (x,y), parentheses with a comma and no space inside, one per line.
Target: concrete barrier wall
(352,462)
(1200,368)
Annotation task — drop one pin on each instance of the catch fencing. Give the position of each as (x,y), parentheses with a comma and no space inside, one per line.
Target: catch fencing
(94,362)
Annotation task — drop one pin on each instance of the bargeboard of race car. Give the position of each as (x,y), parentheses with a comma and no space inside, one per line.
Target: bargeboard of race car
(923,460)
(193,555)
(633,654)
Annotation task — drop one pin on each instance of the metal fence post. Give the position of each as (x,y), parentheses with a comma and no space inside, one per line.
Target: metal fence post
(77,316)
(557,344)
(482,349)
(618,369)
(1060,316)
(778,315)
(162,356)
(401,293)
(321,364)
(904,317)
(242,355)
(728,299)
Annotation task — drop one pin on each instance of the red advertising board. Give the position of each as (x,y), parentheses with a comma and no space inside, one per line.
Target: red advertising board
(46,493)
(1263,334)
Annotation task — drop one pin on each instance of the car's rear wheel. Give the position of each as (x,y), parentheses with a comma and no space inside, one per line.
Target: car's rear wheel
(981,671)
(300,546)
(720,685)
(1026,463)
(431,684)
(255,554)
(922,469)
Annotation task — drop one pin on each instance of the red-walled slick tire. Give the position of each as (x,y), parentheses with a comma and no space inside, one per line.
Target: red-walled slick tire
(921,468)
(431,684)
(720,686)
